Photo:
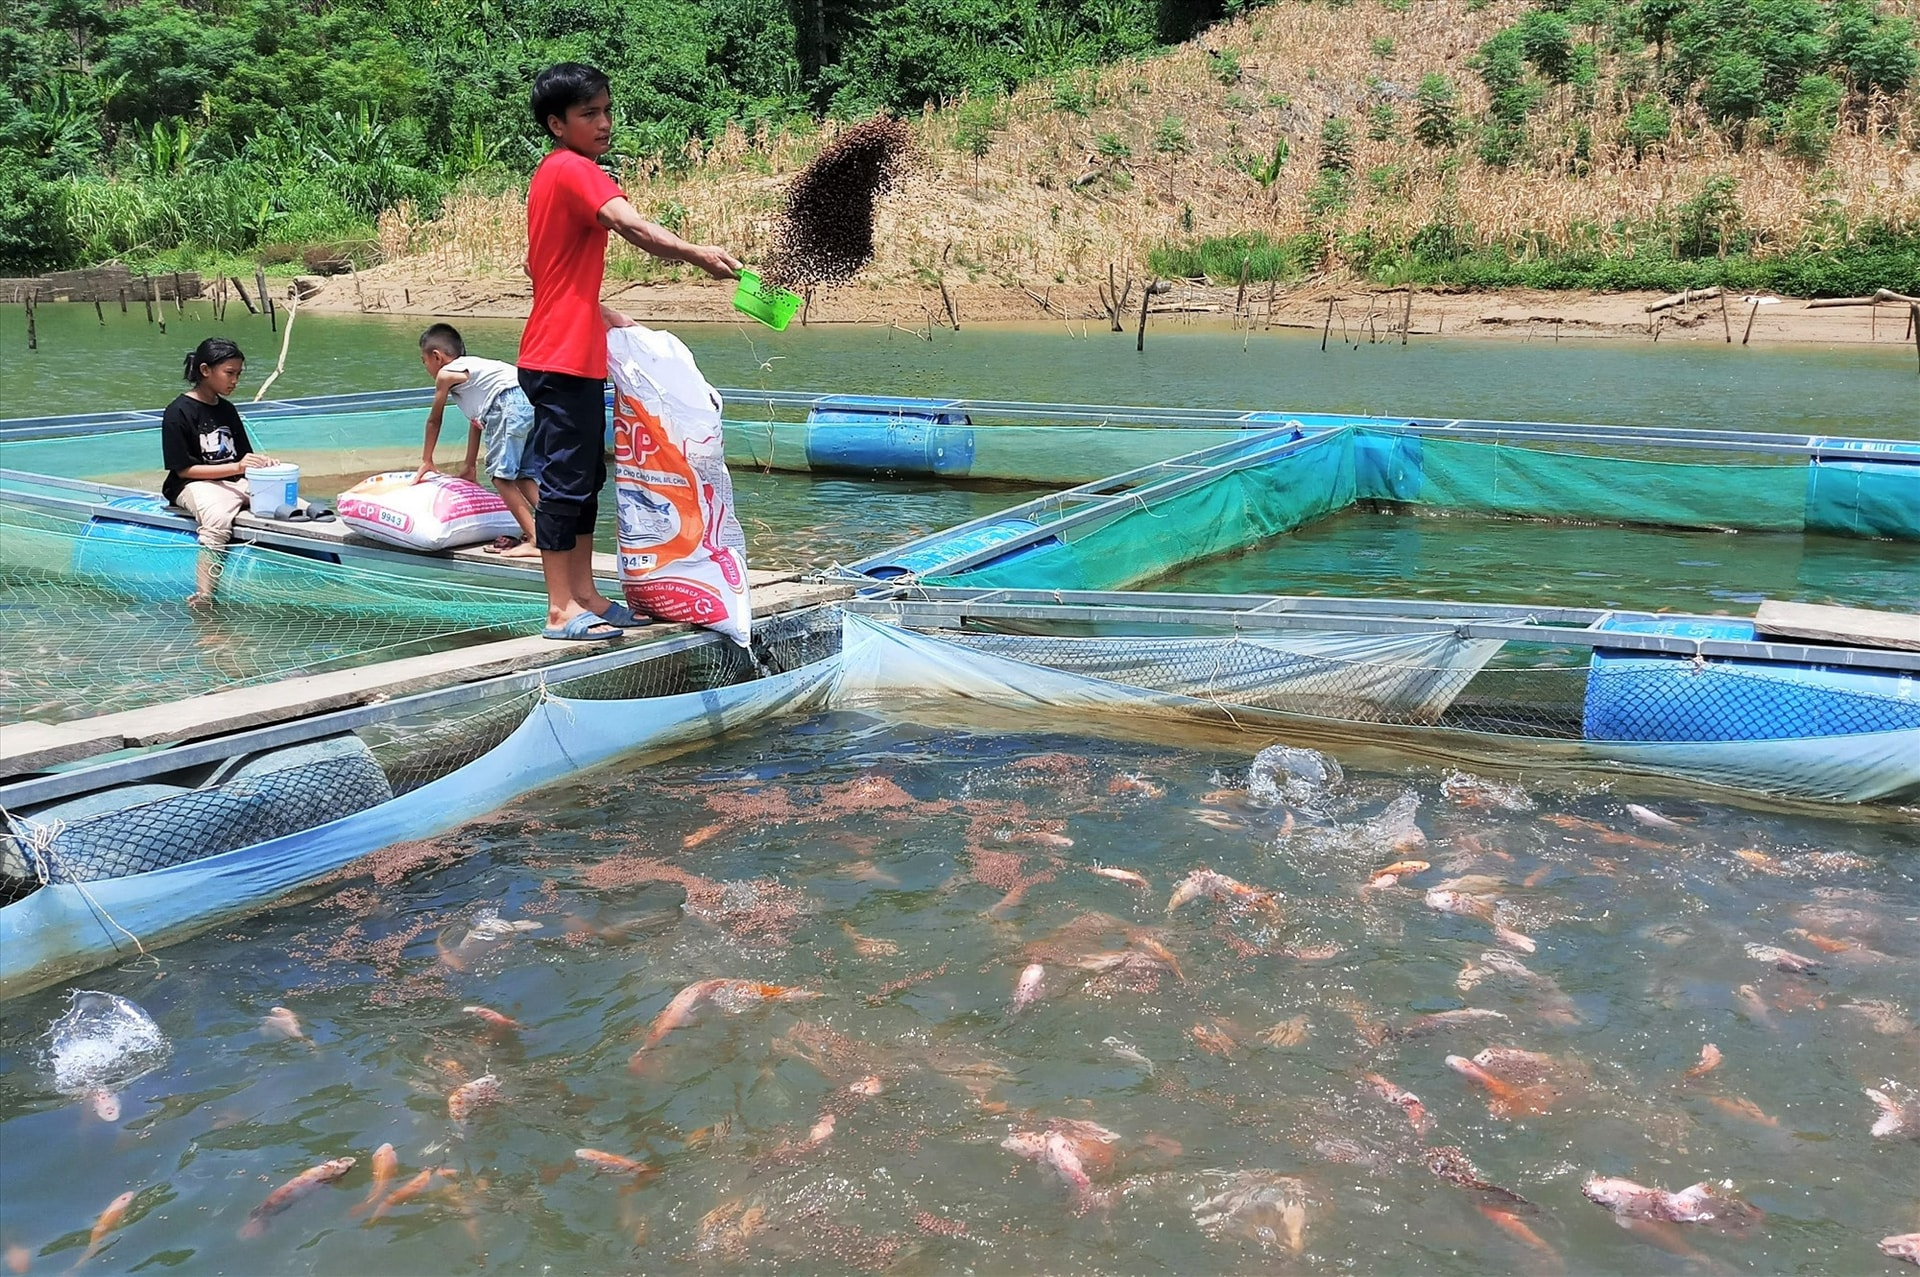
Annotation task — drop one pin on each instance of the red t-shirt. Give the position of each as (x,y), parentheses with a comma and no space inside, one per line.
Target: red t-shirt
(567,258)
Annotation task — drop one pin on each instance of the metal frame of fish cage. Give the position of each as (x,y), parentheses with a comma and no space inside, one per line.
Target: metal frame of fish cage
(1022,412)
(930,607)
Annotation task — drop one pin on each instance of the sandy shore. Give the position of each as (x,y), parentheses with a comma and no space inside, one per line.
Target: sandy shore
(1357,313)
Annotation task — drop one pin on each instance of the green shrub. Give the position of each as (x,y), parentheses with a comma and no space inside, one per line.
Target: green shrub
(1812,117)
(1546,42)
(1435,120)
(1381,118)
(33,228)
(1647,125)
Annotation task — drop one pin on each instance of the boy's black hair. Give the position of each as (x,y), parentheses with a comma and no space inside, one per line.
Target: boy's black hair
(563,85)
(212,351)
(444,338)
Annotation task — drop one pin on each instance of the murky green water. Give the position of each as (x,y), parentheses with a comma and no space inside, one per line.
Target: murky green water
(1472,558)
(1867,390)
(908,875)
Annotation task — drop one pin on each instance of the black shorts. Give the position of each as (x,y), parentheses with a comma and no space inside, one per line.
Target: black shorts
(567,449)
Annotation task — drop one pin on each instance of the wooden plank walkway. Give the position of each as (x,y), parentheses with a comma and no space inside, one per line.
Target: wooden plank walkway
(33,746)
(1850,626)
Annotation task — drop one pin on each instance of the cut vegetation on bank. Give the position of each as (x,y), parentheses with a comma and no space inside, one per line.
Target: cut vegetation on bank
(1591,144)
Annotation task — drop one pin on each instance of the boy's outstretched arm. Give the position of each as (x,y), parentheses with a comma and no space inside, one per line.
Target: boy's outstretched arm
(623,219)
(443,385)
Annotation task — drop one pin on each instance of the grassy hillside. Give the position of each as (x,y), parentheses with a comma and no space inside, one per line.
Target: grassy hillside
(1762,143)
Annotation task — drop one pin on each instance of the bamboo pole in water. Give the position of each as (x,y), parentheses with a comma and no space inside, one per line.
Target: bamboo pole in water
(33,337)
(286,337)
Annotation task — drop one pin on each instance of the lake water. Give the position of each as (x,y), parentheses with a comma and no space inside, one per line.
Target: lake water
(909,873)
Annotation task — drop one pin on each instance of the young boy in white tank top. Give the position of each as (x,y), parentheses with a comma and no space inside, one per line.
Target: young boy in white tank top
(488,393)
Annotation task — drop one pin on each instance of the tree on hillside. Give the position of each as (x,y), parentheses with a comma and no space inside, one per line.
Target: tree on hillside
(1435,103)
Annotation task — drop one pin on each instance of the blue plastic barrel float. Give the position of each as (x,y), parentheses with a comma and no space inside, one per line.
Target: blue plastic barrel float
(1637,697)
(893,438)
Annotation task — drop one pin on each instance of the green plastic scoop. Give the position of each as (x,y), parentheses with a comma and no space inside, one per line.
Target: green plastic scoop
(774,307)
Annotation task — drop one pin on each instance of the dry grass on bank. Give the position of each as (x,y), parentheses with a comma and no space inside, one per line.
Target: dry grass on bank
(1022,219)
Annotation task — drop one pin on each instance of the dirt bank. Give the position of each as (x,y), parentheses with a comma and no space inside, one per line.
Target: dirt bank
(1357,313)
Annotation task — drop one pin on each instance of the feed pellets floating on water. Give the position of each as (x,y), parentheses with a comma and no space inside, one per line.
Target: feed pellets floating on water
(825,233)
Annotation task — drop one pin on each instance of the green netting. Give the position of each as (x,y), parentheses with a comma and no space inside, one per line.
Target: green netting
(1241,507)
(97,620)
(1864,499)
(1238,508)
(1507,479)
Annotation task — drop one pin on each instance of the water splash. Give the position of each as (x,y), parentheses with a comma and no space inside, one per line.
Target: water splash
(103,1043)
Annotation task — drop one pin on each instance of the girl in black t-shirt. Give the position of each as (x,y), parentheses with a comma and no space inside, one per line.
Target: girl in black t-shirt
(207,454)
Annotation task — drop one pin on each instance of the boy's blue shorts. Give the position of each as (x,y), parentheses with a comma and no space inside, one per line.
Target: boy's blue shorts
(503,434)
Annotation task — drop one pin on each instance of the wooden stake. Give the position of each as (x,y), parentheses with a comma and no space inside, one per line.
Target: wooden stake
(1753,308)
(1913,321)
(1146,296)
(947,301)
(241,288)
(1240,298)
(149,299)
(33,337)
(266,303)
(123,301)
(179,298)
(1406,317)
(153,300)
(1326,327)
(1724,325)
(1271,285)
(98,313)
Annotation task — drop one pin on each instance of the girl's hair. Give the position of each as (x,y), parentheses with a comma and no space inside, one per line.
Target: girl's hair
(214,350)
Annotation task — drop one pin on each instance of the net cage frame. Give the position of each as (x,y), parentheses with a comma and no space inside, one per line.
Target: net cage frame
(390,748)
(1539,679)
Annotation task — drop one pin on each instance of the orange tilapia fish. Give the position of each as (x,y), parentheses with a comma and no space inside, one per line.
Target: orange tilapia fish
(1741,1107)
(731,996)
(1393,873)
(473,1095)
(410,1190)
(1214,1040)
(1505,1098)
(1029,988)
(1698,1204)
(1205,884)
(1511,1223)
(1782,959)
(1127,876)
(1710,1058)
(279,1022)
(1825,944)
(1406,1101)
(109,1220)
(492,1018)
(285,1195)
(610,1163)
(385,1163)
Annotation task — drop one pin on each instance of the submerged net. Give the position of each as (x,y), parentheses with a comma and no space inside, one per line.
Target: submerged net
(97,620)
(249,799)
(1153,535)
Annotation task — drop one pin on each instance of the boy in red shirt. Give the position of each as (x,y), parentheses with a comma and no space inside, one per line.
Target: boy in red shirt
(571,205)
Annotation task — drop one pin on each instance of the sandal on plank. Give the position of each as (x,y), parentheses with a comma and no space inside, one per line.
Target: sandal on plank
(500,545)
(623,616)
(584,628)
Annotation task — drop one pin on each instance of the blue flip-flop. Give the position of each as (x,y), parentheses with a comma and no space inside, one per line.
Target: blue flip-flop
(580,630)
(621,615)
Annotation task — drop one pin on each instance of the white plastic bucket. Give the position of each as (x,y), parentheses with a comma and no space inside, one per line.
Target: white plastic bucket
(271,489)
